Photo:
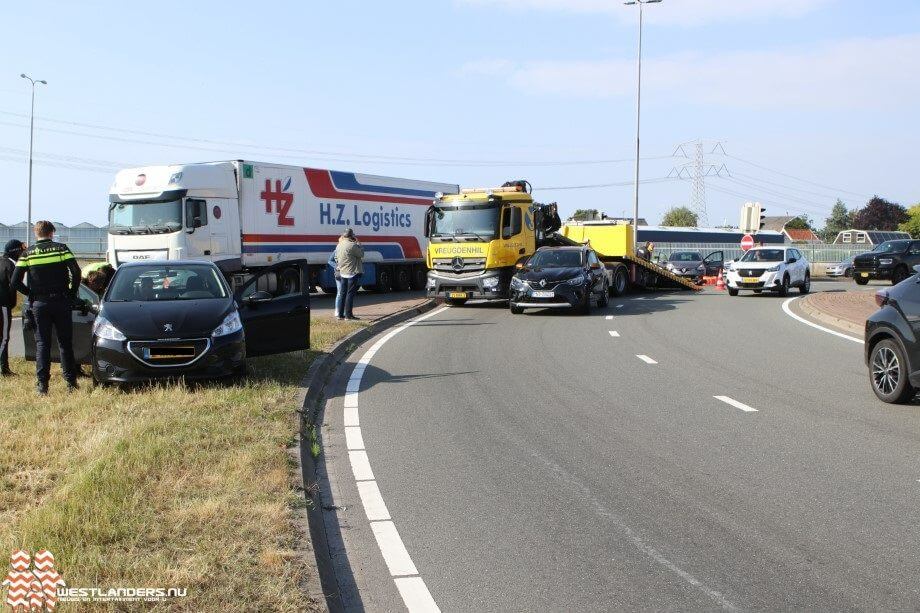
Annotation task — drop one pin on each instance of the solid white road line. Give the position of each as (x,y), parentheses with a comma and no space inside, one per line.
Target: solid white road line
(736,404)
(393,550)
(374,505)
(814,325)
(416,595)
(614,334)
(646,359)
(411,587)
(361,465)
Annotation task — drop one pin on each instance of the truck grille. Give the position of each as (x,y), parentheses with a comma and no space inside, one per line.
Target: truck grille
(459,265)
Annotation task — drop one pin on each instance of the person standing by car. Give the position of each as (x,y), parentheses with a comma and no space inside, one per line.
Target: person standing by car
(350,257)
(53,283)
(11,253)
(339,294)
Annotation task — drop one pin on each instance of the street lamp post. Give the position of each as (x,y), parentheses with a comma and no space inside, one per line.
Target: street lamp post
(31,139)
(638,117)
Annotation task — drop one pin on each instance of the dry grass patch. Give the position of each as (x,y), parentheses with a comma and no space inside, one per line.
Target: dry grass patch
(163,486)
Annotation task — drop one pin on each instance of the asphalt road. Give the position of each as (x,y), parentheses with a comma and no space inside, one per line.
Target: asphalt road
(535,462)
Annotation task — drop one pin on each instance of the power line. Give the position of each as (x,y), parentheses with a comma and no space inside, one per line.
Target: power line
(784,174)
(787,186)
(602,185)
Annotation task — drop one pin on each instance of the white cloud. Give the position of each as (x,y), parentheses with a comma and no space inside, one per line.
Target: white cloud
(856,73)
(670,12)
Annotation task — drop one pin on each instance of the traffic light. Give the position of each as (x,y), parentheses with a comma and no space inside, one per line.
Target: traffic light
(761,216)
(752,217)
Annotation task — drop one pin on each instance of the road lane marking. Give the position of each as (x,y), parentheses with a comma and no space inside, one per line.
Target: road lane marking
(361,465)
(646,359)
(736,404)
(394,551)
(411,586)
(608,317)
(614,334)
(374,506)
(619,306)
(814,325)
(416,595)
(353,438)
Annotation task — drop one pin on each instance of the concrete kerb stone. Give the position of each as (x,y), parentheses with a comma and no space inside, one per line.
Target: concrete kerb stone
(826,318)
(311,400)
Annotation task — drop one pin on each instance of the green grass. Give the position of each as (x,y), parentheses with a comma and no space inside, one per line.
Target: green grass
(166,485)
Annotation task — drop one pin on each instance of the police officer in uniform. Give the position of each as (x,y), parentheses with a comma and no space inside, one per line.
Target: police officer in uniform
(53,282)
(11,253)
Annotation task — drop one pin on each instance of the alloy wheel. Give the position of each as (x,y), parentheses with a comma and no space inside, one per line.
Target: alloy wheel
(886,371)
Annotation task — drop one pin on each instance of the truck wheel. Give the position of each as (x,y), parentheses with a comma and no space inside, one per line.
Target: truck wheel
(384,280)
(289,281)
(419,278)
(620,281)
(456,301)
(403,282)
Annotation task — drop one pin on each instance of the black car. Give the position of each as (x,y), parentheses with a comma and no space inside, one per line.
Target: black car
(692,264)
(161,319)
(893,342)
(892,260)
(560,277)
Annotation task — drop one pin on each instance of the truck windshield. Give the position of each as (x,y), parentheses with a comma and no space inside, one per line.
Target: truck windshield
(477,221)
(891,247)
(145,217)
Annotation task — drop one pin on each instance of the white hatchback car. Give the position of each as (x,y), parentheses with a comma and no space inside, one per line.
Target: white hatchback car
(773,269)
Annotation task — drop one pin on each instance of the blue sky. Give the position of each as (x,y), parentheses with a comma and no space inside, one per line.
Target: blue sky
(474,92)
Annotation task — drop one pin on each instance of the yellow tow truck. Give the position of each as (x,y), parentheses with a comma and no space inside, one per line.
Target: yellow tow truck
(477,237)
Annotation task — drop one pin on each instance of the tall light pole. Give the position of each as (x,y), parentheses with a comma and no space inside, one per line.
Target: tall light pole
(31,139)
(638,117)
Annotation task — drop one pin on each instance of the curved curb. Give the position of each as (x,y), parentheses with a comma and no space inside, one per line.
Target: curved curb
(844,325)
(310,398)
(788,310)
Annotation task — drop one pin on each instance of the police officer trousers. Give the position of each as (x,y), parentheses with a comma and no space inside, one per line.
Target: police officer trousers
(53,314)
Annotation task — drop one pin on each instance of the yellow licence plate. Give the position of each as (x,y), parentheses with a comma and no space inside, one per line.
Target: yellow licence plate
(457,294)
(750,279)
(863,274)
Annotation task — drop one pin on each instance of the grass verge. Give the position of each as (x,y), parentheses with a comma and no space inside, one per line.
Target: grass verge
(163,486)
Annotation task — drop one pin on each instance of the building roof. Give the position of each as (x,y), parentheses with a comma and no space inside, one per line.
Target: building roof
(875,237)
(777,224)
(802,236)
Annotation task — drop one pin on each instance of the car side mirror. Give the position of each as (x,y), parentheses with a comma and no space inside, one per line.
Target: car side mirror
(258,298)
(521,262)
(791,261)
(595,266)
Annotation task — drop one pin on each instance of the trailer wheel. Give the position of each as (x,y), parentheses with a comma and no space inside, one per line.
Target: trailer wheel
(419,277)
(620,281)
(289,281)
(384,280)
(403,282)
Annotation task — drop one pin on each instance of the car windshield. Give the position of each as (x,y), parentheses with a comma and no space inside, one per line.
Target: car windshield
(160,282)
(478,221)
(555,259)
(145,217)
(891,247)
(686,256)
(763,255)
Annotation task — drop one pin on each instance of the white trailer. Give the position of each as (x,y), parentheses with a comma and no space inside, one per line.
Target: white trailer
(246,215)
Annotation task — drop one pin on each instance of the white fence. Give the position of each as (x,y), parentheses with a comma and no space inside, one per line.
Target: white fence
(816,253)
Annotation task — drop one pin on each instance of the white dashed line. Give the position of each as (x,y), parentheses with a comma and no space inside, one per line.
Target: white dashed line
(614,334)
(609,317)
(736,404)
(814,325)
(646,359)
(619,306)
(411,587)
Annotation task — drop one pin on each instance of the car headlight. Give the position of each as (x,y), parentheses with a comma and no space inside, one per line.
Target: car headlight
(669,266)
(701,268)
(431,283)
(885,261)
(515,283)
(229,325)
(103,328)
(774,269)
(490,282)
(579,280)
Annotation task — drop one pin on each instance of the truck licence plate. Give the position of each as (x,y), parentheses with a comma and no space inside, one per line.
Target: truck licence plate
(547,294)
(457,294)
(864,275)
(750,279)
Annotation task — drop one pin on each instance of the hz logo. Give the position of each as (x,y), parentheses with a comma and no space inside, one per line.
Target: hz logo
(32,587)
(279,201)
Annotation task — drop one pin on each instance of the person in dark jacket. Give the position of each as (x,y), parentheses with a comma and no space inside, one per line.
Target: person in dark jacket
(53,283)
(11,253)
(333,263)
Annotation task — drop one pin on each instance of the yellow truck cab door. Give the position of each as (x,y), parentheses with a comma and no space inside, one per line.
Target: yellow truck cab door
(516,238)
